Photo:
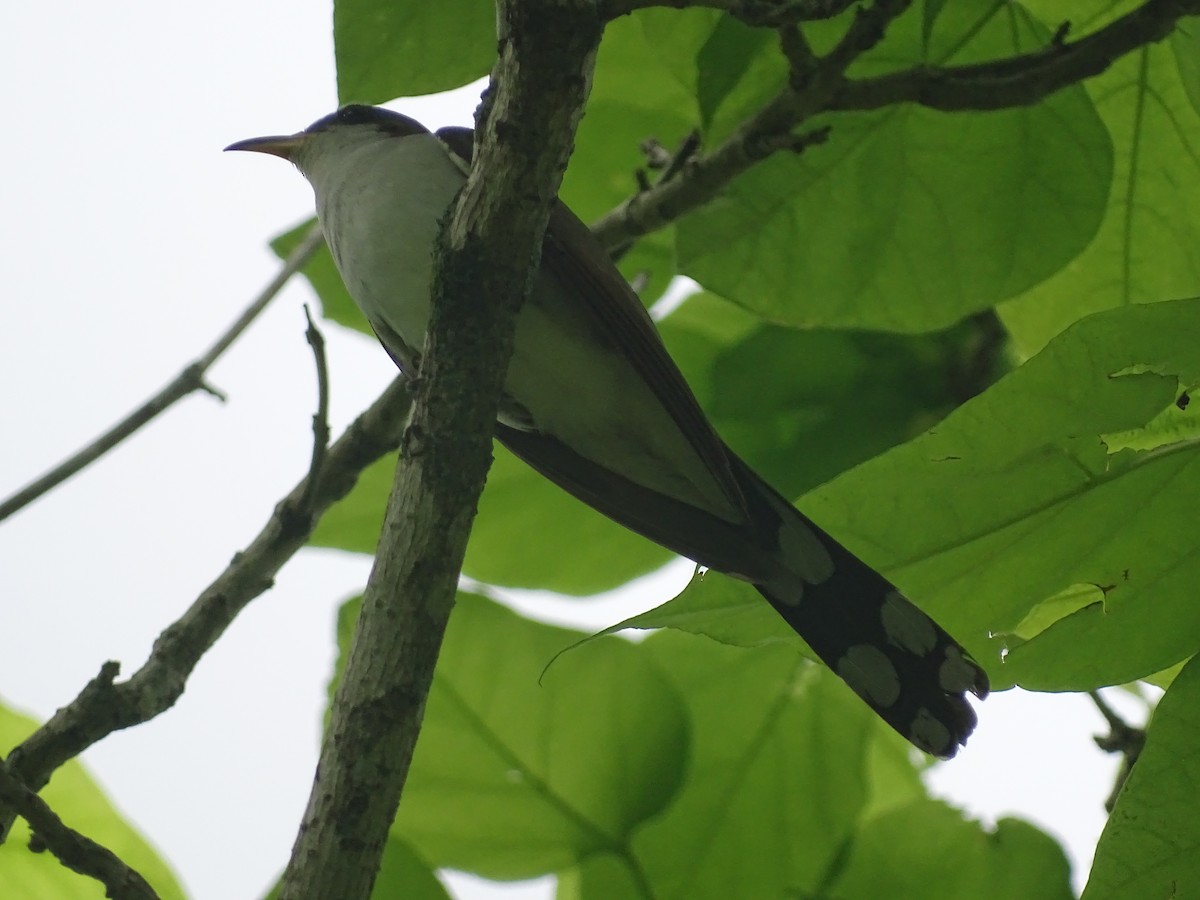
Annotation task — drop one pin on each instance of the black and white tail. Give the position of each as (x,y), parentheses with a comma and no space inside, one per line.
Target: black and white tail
(898,659)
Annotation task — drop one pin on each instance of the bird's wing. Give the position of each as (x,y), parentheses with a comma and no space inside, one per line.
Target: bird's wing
(572,255)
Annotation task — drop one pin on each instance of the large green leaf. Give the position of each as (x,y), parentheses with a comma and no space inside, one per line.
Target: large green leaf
(633,99)
(783,764)
(926,849)
(1016,497)
(387,49)
(521,770)
(1185,42)
(777,777)
(1151,844)
(81,804)
(909,219)
(1148,246)
(804,405)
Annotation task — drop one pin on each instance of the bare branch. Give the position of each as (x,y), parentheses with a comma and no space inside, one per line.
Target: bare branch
(189,380)
(1019,80)
(1122,738)
(105,706)
(75,851)
(321,417)
(759,136)
(752,12)
(821,86)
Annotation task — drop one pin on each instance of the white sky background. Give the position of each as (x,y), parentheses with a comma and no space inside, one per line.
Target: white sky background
(129,243)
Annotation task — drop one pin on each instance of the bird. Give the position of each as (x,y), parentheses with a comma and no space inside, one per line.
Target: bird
(593,401)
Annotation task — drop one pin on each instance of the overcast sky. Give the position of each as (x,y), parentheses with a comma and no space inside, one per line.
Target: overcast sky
(130,242)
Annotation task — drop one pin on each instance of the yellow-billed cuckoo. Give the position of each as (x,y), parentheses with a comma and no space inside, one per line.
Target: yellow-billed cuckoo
(594,403)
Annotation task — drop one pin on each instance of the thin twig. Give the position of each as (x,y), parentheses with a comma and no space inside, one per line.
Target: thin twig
(320,418)
(105,706)
(75,851)
(1122,738)
(189,380)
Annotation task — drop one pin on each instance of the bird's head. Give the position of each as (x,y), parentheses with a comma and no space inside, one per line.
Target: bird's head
(349,127)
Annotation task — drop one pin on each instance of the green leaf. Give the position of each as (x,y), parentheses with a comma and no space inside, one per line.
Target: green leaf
(600,876)
(1014,498)
(1148,245)
(994,520)
(353,522)
(322,274)
(716,607)
(1185,43)
(909,219)
(512,777)
(80,803)
(926,849)
(930,10)
(727,69)
(803,406)
(731,49)
(531,533)
(402,873)
(777,776)
(389,49)
(1151,844)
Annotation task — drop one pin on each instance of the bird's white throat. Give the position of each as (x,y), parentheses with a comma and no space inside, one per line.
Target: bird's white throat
(384,249)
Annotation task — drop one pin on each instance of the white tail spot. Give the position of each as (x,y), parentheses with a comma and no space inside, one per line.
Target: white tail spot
(871,674)
(906,626)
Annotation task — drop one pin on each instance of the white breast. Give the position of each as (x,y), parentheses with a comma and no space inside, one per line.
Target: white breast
(384,251)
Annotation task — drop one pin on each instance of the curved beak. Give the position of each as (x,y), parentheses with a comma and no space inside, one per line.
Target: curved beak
(283,146)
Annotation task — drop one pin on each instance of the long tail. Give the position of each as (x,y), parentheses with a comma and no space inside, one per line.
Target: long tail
(898,659)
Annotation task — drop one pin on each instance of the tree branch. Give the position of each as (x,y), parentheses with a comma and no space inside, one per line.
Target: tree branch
(1019,80)
(105,706)
(189,380)
(819,85)
(1122,738)
(767,131)
(752,12)
(75,851)
(488,249)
